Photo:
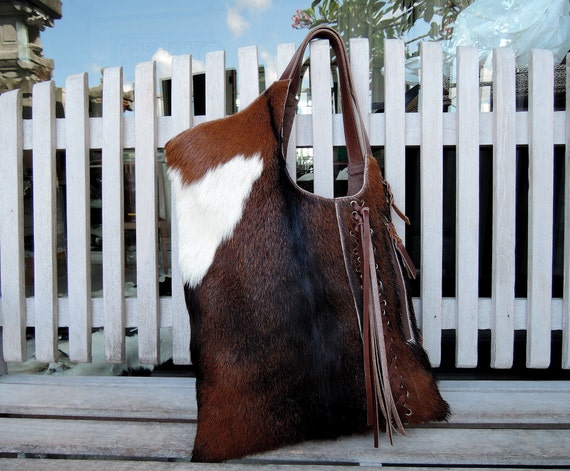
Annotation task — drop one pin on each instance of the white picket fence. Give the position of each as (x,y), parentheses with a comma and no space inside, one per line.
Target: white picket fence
(539,128)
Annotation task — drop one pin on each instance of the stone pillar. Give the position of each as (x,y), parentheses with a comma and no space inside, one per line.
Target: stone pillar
(22,63)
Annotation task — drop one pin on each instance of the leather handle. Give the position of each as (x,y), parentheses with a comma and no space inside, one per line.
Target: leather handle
(357,144)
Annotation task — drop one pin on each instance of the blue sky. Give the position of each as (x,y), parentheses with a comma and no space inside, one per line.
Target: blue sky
(94,34)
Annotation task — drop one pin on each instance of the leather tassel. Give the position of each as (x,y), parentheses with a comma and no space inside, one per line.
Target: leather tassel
(376,368)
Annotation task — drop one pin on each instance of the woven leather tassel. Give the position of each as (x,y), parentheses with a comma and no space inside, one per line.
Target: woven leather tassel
(376,369)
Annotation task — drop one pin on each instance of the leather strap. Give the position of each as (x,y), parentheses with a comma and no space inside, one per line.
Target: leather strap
(376,367)
(380,399)
(357,144)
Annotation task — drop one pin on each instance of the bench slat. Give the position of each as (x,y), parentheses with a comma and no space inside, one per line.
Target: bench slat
(153,465)
(515,403)
(433,446)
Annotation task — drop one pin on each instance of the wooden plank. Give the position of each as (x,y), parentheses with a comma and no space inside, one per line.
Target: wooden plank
(284,54)
(96,437)
(215,85)
(448,320)
(566,287)
(540,209)
(45,221)
(439,447)
(377,131)
(433,446)
(78,217)
(431,183)
(248,75)
(504,208)
(395,132)
(12,272)
(467,207)
(320,73)
(153,465)
(146,214)
(182,119)
(113,217)
(360,71)
(515,403)
(3,364)
(99,397)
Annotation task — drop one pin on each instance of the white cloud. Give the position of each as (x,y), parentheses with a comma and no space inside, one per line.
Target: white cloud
(236,22)
(96,69)
(254,5)
(235,19)
(270,66)
(163,61)
(198,66)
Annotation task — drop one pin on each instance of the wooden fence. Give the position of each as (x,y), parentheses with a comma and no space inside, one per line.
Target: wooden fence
(431,129)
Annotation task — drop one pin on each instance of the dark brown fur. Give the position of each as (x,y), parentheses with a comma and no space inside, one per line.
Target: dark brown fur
(275,337)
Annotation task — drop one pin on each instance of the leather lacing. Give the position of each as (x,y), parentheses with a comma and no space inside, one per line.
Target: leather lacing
(380,361)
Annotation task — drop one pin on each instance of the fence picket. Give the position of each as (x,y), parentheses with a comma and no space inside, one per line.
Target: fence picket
(322,118)
(395,128)
(540,217)
(248,75)
(182,119)
(431,183)
(566,287)
(360,71)
(78,218)
(504,208)
(45,219)
(113,216)
(146,214)
(467,209)
(215,85)
(12,272)
(284,54)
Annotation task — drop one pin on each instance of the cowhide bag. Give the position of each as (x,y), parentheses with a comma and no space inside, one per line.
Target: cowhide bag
(302,321)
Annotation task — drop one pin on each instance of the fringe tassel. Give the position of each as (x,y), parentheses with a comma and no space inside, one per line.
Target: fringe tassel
(376,369)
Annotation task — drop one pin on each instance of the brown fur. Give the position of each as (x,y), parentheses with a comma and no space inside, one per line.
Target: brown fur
(275,335)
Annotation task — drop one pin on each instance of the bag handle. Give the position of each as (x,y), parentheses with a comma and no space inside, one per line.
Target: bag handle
(357,144)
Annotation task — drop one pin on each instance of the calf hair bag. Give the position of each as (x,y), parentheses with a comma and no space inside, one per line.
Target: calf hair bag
(302,321)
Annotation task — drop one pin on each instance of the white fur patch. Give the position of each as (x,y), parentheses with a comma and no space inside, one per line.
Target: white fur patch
(208,210)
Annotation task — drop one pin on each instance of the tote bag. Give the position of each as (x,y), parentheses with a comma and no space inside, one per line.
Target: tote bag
(302,325)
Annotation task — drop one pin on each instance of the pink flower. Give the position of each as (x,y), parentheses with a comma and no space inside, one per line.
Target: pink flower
(301,20)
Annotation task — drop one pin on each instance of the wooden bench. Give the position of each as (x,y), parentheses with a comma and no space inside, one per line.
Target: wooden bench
(51,422)
(149,423)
